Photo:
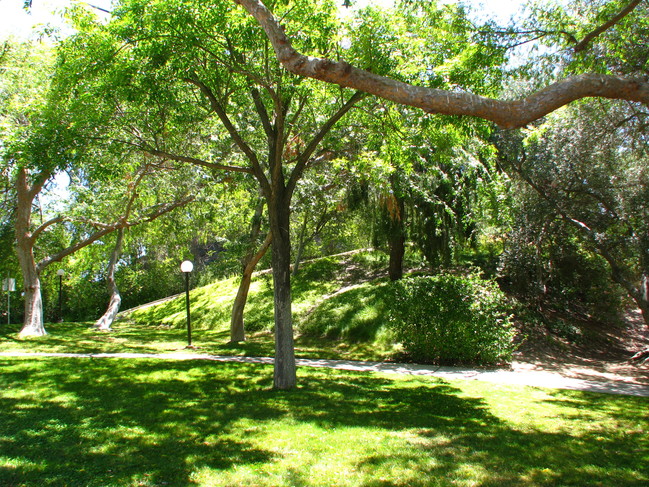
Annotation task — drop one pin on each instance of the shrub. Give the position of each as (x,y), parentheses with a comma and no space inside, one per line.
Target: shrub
(451,319)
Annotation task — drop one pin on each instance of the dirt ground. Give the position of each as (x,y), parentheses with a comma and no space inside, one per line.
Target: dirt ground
(602,355)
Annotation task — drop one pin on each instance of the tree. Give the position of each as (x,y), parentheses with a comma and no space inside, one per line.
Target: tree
(135,212)
(39,141)
(253,255)
(505,113)
(585,168)
(27,236)
(192,66)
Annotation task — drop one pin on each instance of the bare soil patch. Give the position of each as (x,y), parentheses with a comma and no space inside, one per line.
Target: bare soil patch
(601,352)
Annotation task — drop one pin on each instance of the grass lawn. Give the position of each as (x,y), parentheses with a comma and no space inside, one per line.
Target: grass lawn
(112,422)
(350,325)
(146,338)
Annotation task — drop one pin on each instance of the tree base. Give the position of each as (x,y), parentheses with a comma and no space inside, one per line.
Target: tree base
(32,332)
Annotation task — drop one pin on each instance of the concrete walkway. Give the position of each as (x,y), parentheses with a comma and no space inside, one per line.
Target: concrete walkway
(532,378)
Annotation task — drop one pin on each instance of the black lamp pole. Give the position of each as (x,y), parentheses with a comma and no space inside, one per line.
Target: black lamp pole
(189,322)
(186,267)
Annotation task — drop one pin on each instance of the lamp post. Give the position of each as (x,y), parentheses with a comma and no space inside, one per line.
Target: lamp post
(186,267)
(60,273)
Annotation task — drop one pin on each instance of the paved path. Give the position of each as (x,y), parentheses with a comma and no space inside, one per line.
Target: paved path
(533,378)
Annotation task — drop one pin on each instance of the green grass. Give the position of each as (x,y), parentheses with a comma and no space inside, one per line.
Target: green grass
(115,422)
(111,422)
(350,325)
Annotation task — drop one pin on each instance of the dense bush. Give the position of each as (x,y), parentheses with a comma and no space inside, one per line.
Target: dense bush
(451,319)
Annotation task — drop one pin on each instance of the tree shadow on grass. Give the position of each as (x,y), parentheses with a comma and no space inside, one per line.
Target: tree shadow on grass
(110,422)
(456,434)
(105,424)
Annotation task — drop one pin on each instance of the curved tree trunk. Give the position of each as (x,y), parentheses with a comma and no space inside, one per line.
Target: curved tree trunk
(237,329)
(106,321)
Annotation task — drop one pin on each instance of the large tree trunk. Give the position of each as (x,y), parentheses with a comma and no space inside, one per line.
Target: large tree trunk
(237,328)
(106,321)
(33,323)
(285,372)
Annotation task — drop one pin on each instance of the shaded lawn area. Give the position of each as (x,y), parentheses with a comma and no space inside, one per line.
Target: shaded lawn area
(111,422)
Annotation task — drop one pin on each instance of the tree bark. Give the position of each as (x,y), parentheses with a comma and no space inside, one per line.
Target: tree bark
(237,328)
(285,376)
(397,251)
(106,321)
(505,113)
(33,323)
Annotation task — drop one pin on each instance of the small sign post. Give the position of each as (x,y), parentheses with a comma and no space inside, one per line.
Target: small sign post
(9,285)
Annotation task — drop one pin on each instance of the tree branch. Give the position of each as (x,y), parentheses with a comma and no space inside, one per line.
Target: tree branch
(193,160)
(304,157)
(44,226)
(262,112)
(505,113)
(121,223)
(234,133)
(581,45)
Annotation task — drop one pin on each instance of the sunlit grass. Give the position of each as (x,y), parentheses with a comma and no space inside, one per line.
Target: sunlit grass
(349,325)
(110,422)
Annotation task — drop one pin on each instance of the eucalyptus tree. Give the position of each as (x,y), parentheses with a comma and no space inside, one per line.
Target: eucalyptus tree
(208,66)
(41,141)
(24,87)
(152,189)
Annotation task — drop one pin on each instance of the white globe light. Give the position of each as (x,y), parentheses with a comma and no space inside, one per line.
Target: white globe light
(187,266)
(60,272)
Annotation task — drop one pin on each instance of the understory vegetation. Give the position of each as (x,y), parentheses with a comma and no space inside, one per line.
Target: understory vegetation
(444,319)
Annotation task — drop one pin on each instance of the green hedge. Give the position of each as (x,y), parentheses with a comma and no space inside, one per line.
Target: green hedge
(451,319)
